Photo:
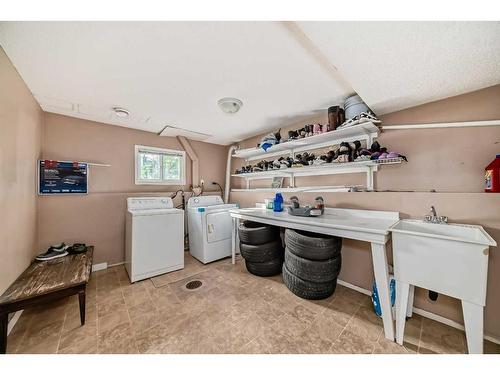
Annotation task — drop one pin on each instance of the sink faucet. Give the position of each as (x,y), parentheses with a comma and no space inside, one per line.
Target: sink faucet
(434,218)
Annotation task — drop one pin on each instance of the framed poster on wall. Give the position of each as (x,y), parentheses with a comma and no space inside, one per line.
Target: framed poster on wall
(62,177)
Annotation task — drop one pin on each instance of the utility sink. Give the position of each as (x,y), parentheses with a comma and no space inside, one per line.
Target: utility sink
(451,259)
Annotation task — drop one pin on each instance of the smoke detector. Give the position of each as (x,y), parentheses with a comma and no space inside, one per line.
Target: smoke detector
(121,112)
(230,105)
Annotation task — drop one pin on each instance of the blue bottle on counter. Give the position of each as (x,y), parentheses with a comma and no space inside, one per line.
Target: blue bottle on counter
(278,203)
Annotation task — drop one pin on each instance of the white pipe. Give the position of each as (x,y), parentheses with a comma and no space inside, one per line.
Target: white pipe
(227,186)
(437,125)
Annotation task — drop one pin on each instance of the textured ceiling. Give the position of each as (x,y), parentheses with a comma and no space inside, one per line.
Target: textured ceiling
(173,73)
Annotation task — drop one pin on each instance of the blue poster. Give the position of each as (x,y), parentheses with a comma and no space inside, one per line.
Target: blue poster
(62,177)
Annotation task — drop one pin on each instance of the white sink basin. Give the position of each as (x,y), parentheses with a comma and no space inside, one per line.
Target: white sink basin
(451,259)
(454,232)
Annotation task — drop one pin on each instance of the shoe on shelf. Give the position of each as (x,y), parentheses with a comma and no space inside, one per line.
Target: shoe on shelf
(54,252)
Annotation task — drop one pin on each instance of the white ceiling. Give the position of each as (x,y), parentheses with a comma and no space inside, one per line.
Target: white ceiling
(173,73)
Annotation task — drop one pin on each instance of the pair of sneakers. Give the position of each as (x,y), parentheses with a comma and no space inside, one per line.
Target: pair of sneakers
(61,250)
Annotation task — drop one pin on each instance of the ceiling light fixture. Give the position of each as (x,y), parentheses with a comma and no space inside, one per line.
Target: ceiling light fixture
(230,105)
(121,112)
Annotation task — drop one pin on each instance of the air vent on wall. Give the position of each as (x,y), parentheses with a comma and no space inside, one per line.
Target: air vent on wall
(172,131)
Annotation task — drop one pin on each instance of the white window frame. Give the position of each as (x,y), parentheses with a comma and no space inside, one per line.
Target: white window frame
(138,181)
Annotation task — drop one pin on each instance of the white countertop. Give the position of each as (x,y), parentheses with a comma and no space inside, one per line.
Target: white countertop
(377,222)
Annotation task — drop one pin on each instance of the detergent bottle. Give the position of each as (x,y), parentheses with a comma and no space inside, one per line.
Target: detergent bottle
(492,176)
(278,203)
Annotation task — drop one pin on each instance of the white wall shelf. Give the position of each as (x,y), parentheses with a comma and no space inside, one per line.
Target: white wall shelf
(368,167)
(302,189)
(367,131)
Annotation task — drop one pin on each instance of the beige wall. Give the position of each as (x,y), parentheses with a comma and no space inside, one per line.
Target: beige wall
(451,161)
(99,217)
(20,143)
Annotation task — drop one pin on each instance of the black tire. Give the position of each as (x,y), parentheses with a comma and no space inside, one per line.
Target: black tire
(306,289)
(317,271)
(262,253)
(313,246)
(270,268)
(252,233)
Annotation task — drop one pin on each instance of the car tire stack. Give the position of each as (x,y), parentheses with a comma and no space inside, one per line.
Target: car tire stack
(312,264)
(261,247)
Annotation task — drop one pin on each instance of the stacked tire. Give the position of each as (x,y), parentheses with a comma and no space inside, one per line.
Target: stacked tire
(261,247)
(312,264)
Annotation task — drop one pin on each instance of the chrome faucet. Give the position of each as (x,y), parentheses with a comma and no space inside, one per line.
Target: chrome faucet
(434,218)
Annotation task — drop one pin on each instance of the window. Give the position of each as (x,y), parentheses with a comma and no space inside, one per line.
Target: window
(158,166)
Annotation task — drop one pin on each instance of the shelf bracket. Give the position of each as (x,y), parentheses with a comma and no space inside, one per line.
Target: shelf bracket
(369,179)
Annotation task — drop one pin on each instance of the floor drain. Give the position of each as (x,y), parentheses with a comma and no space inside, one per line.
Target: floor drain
(195,284)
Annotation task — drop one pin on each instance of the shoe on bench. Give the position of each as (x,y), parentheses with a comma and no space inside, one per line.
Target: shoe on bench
(54,252)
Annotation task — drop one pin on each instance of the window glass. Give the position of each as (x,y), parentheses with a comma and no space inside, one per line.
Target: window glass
(149,166)
(159,166)
(171,167)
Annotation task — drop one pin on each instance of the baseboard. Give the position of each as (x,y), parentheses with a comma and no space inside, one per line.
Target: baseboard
(354,287)
(13,321)
(116,264)
(424,313)
(99,266)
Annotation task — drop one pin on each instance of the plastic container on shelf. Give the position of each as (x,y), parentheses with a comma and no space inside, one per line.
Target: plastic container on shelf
(354,106)
(278,203)
(492,176)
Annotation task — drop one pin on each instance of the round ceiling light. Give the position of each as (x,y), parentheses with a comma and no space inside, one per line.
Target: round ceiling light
(121,112)
(229,105)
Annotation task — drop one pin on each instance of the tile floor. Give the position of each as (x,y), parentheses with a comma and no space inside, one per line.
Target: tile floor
(233,312)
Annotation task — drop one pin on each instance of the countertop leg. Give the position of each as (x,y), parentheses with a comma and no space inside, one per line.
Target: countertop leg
(381,271)
(402,294)
(473,319)
(411,296)
(233,241)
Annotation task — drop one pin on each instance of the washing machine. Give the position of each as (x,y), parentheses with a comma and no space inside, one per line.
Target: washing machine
(154,237)
(209,228)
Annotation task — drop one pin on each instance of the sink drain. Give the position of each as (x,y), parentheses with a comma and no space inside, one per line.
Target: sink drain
(195,284)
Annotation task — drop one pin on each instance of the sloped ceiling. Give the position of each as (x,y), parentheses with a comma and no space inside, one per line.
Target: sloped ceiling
(173,73)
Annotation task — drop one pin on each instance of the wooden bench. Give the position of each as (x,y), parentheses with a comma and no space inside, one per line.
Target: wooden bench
(46,281)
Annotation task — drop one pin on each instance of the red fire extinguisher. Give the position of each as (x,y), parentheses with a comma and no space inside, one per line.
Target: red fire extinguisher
(492,176)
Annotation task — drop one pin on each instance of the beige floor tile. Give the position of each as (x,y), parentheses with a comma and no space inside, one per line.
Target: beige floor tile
(273,342)
(313,341)
(143,317)
(111,321)
(72,320)
(366,324)
(152,340)
(111,307)
(439,338)
(82,339)
(42,334)
(351,294)
(118,340)
(350,343)
(290,327)
(341,310)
